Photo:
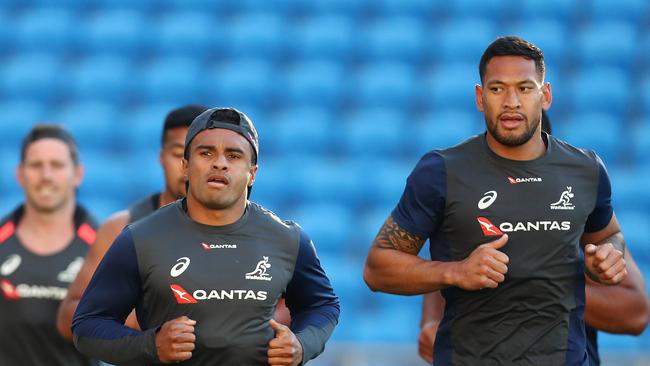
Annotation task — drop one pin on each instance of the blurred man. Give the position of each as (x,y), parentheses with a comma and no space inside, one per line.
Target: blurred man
(171,154)
(205,273)
(627,315)
(507,213)
(43,243)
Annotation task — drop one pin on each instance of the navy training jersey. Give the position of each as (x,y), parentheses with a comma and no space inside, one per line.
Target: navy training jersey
(227,278)
(32,288)
(466,196)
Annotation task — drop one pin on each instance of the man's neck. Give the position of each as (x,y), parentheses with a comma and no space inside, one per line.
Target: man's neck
(532,149)
(165,198)
(46,233)
(206,216)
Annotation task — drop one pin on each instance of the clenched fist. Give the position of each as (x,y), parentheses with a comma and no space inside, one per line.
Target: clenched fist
(485,267)
(284,349)
(175,340)
(606,263)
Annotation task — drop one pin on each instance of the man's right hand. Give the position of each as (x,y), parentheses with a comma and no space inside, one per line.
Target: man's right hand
(175,340)
(485,267)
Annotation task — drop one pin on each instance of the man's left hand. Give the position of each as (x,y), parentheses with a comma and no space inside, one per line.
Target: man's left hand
(606,263)
(284,349)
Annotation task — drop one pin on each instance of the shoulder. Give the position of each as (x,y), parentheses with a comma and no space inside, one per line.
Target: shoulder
(116,222)
(564,150)
(270,221)
(143,207)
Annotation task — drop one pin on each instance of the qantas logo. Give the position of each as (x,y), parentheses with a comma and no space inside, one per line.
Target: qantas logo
(207,246)
(182,297)
(524,180)
(25,291)
(8,290)
(489,229)
(180,266)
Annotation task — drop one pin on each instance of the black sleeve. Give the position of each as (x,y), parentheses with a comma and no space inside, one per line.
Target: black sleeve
(114,290)
(311,300)
(602,213)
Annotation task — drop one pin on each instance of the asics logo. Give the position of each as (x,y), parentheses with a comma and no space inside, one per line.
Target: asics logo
(10,265)
(180,267)
(487,200)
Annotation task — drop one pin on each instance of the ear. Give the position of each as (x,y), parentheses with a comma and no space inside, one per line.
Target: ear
(252,172)
(478,91)
(548,96)
(160,157)
(185,165)
(79,172)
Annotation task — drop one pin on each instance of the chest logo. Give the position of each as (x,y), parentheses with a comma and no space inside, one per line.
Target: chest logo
(207,246)
(260,271)
(182,296)
(69,274)
(524,180)
(180,266)
(10,265)
(487,200)
(564,203)
(489,229)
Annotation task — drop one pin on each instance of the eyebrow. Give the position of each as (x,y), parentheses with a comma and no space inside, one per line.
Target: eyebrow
(212,148)
(527,81)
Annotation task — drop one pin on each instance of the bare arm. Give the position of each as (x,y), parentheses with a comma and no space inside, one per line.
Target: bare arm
(105,237)
(433,306)
(630,312)
(393,266)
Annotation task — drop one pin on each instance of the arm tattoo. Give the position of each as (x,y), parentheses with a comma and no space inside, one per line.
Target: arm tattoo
(392,236)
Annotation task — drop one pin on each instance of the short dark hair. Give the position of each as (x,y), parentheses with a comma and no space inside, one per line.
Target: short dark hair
(50,131)
(181,117)
(512,46)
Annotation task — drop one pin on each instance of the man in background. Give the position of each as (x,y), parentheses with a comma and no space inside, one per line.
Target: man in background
(43,243)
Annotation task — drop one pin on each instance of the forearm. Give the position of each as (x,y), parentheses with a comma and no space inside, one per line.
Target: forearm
(628,314)
(433,307)
(64,317)
(112,342)
(393,271)
(313,329)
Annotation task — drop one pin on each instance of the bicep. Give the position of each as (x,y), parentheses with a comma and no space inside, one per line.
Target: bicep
(612,231)
(392,236)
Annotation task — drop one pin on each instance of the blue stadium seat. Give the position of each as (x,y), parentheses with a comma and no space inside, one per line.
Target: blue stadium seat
(607,43)
(175,80)
(384,85)
(185,33)
(628,189)
(90,122)
(147,6)
(386,179)
(106,175)
(599,132)
(46,29)
(444,128)
(601,89)
(319,83)
(17,116)
(32,75)
(450,86)
(327,224)
(561,10)
(644,90)
(108,78)
(10,191)
(240,81)
(549,35)
(99,206)
(328,181)
(634,223)
(327,36)
(393,39)
(617,342)
(145,124)
(640,141)
(260,35)
(351,8)
(632,11)
(472,8)
(374,132)
(462,40)
(120,31)
(417,8)
(301,130)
